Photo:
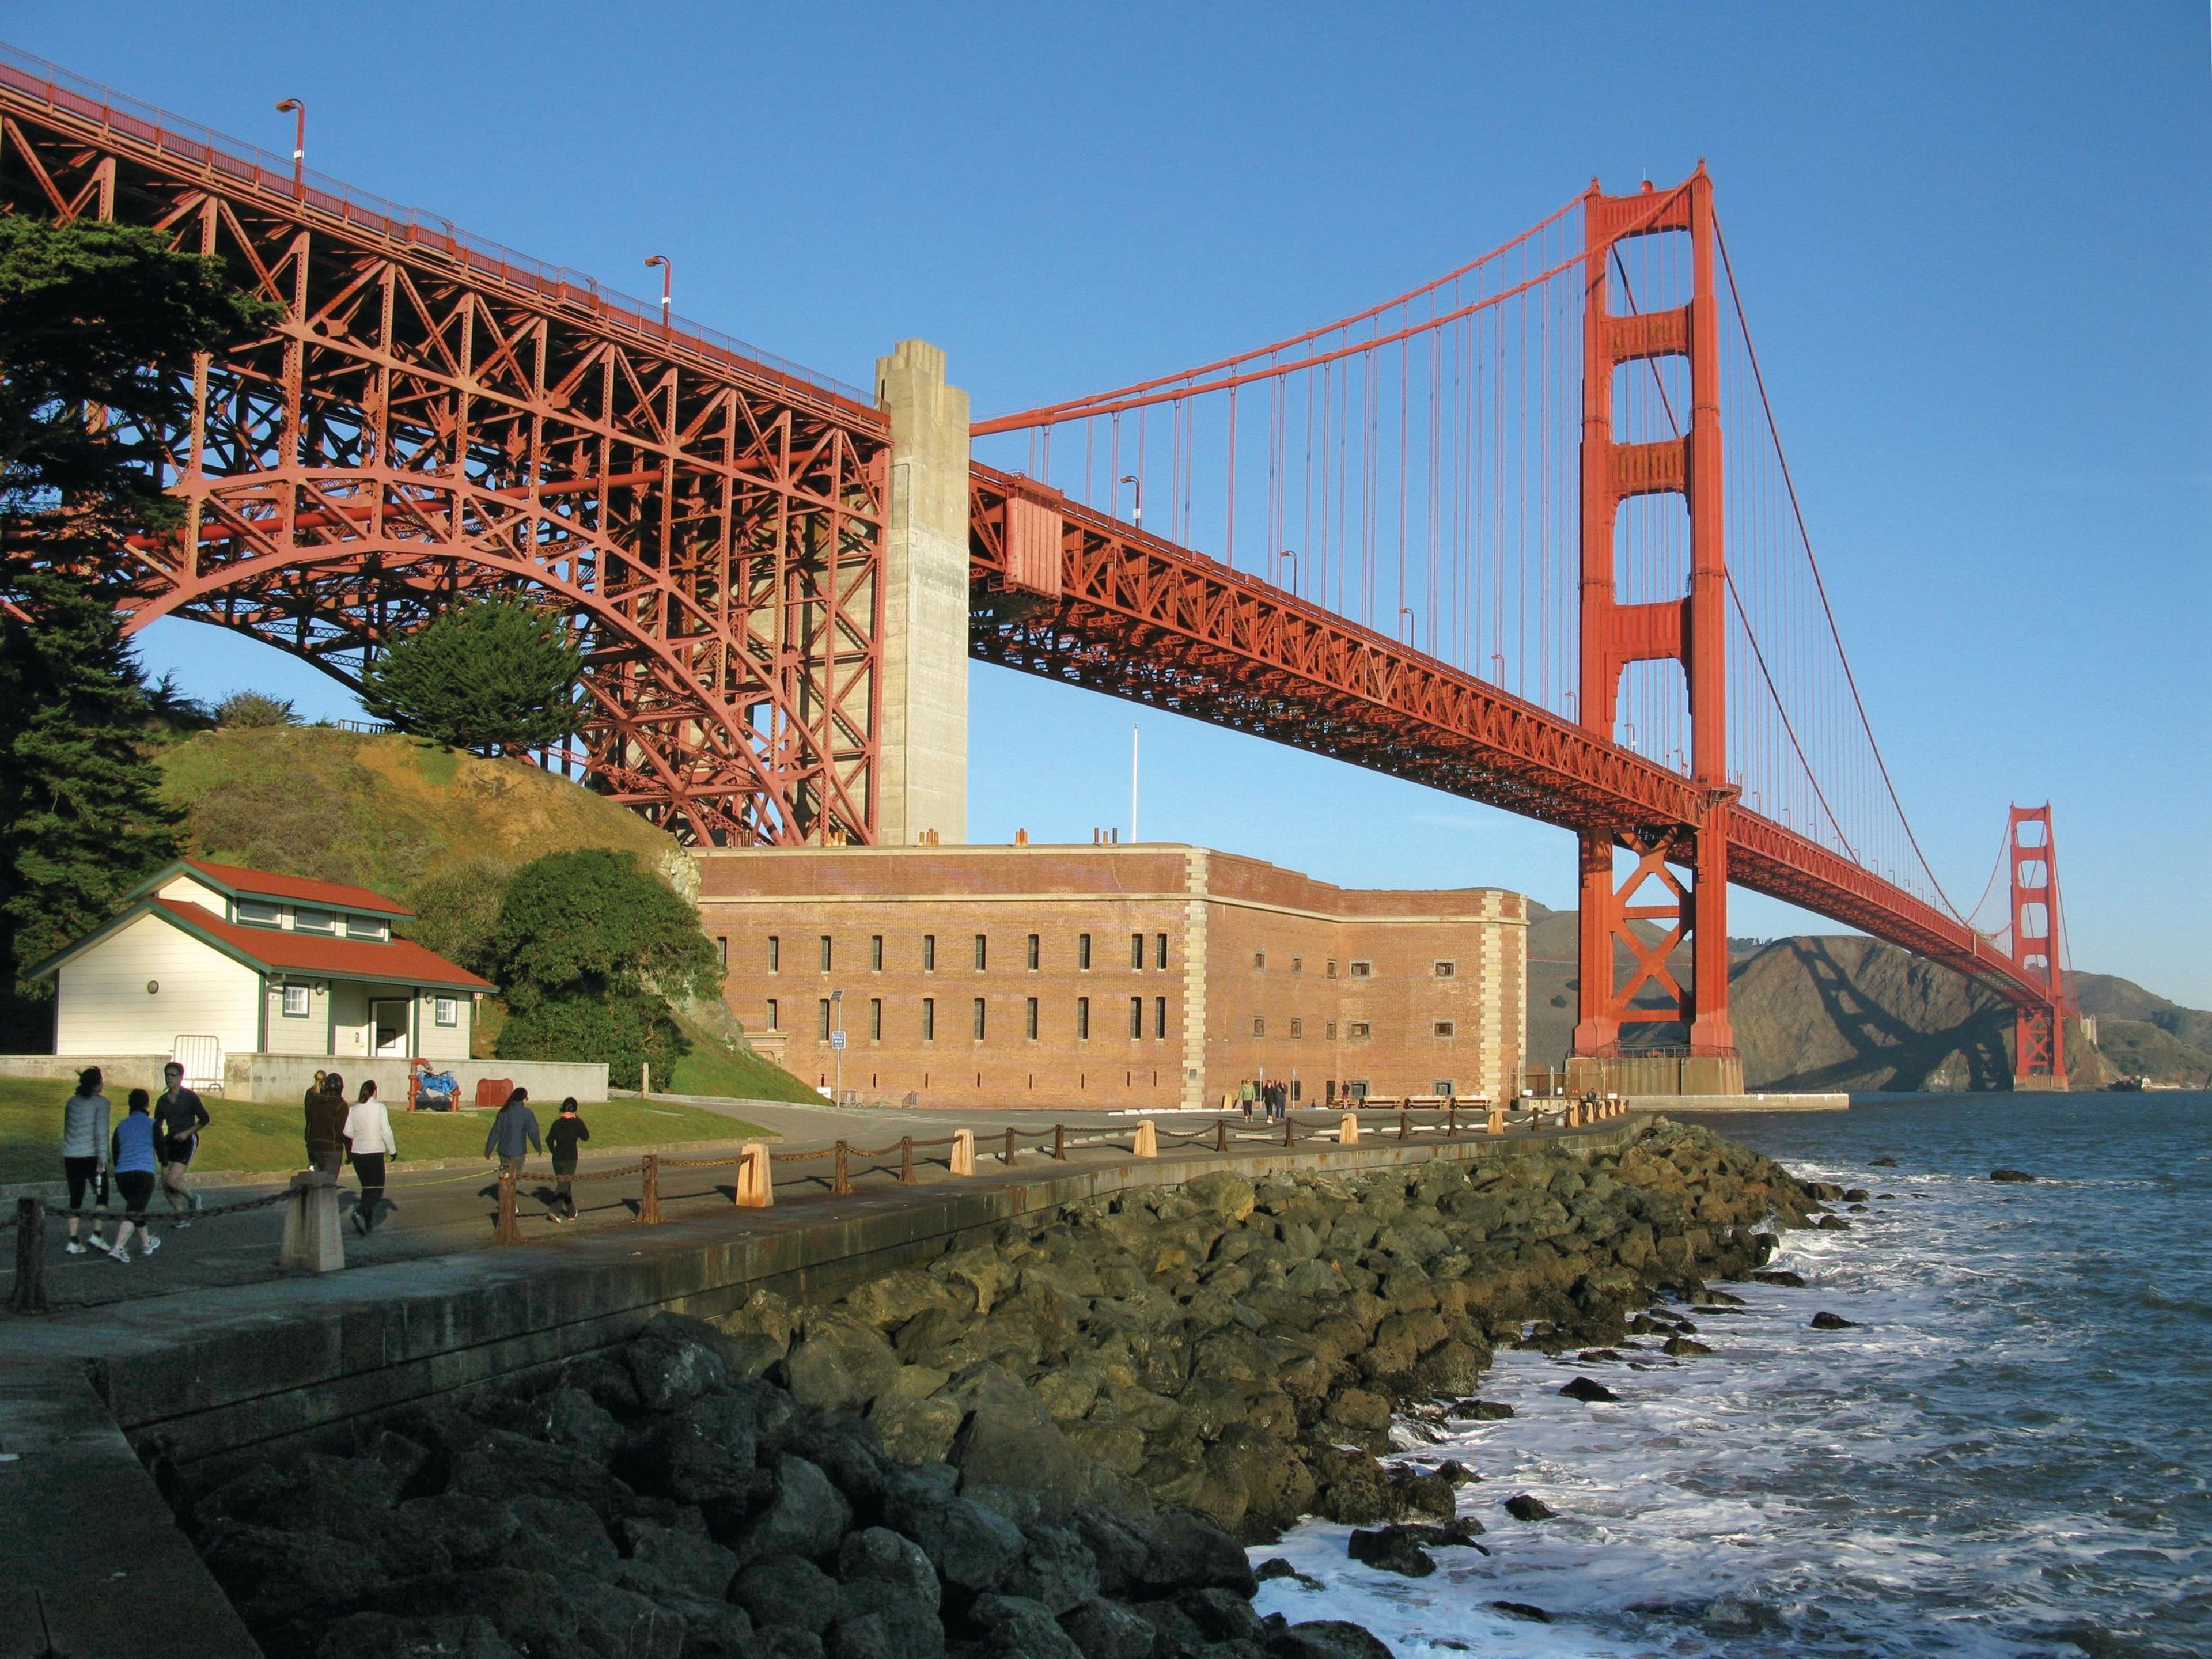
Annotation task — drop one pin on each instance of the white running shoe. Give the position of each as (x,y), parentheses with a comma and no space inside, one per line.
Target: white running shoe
(73,1248)
(121,1252)
(153,1243)
(196,1201)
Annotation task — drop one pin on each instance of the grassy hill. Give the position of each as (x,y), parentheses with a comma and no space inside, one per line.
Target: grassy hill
(1846,1012)
(386,812)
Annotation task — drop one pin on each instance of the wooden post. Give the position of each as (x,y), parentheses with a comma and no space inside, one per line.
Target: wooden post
(1148,1140)
(1221,1134)
(1405,1123)
(1496,1124)
(648,1203)
(1290,1131)
(1060,1142)
(906,1160)
(1347,1129)
(840,1182)
(509,1228)
(30,1293)
(1007,1156)
(756,1178)
(963,1152)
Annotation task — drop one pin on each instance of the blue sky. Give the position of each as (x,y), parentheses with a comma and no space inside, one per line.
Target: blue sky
(1972,241)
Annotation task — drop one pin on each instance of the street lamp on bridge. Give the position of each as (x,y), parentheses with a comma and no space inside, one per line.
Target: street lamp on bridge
(1136,518)
(298,111)
(1288,554)
(668,283)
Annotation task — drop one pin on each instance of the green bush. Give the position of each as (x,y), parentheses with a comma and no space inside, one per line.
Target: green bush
(255,708)
(627,1030)
(457,911)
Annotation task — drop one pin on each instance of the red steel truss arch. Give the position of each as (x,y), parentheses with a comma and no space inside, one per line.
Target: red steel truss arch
(431,416)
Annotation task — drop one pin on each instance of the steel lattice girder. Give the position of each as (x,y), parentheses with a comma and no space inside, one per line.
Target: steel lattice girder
(1144,619)
(419,426)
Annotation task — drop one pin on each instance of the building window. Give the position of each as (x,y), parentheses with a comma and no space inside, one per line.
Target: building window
(722,953)
(1033,1018)
(876,954)
(373,928)
(314,921)
(296,1002)
(1362,969)
(256,913)
(446,1011)
(929,953)
(1297,1029)
(1159,950)
(929,1019)
(875,1019)
(982,952)
(1035,952)
(772,1015)
(823,1033)
(826,954)
(1445,969)
(1260,961)
(1298,965)
(1083,1019)
(1358,1030)
(1258,1025)
(1137,951)
(1328,1031)
(1083,950)
(1332,967)
(1442,1088)
(1357,1088)
(1136,1017)
(979,1018)
(775,954)
(1159,1017)
(1443,1027)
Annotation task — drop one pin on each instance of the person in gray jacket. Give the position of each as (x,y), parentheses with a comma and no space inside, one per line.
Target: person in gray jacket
(514,1133)
(84,1154)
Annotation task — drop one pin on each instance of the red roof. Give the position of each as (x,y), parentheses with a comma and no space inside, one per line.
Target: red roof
(267,883)
(400,961)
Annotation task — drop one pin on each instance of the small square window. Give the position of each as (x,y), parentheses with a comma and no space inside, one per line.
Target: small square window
(1358,1030)
(1445,969)
(1443,1088)
(314,921)
(1332,967)
(1444,1028)
(1297,1028)
(1357,1088)
(1258,1025)
(1363,969)
(296,1002)
(446,1011)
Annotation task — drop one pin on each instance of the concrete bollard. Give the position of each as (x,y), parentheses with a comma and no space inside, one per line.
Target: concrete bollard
(1148,1139)
(963,1152)
(1347,1129)
(1496,1124)
(756,1177)
(313,1241)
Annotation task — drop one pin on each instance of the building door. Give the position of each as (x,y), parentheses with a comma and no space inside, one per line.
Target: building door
(387,1024)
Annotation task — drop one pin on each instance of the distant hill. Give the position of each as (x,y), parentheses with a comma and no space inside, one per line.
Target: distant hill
(1822,1012)
(386,812)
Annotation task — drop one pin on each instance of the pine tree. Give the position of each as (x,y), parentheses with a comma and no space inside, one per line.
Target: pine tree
(481,676)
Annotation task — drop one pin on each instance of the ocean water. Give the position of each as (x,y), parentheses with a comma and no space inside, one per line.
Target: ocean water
(2011,1455)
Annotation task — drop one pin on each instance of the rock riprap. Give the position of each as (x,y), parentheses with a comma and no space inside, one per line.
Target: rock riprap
(1054,1439)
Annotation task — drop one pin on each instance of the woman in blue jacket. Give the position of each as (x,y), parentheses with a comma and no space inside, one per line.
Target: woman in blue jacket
(132,1157)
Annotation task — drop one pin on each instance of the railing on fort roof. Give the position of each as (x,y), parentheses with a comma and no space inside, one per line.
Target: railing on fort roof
(237,163)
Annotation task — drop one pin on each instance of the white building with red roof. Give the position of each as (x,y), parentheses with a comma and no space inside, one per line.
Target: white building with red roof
(249,961)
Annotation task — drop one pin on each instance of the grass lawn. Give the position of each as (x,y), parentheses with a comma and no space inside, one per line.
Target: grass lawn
(252,1134)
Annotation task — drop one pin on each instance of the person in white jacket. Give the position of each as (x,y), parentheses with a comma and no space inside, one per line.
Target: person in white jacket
(369,1139)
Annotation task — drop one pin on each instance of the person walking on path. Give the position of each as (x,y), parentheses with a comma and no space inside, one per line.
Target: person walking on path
(84,1154)
(132,1155)
(179,1117)
(514,1133)
(562,1136)
(368,1138)
(326,1118)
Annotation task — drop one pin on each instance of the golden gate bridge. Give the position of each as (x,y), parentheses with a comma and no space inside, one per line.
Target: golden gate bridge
(1526,534)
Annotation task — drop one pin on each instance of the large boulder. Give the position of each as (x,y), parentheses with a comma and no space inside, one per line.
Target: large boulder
(839,1363)
(806,1516)
(1018,1628)
(788,1591)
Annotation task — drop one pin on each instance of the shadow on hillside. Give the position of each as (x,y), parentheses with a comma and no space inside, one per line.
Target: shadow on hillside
(1888,1052)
